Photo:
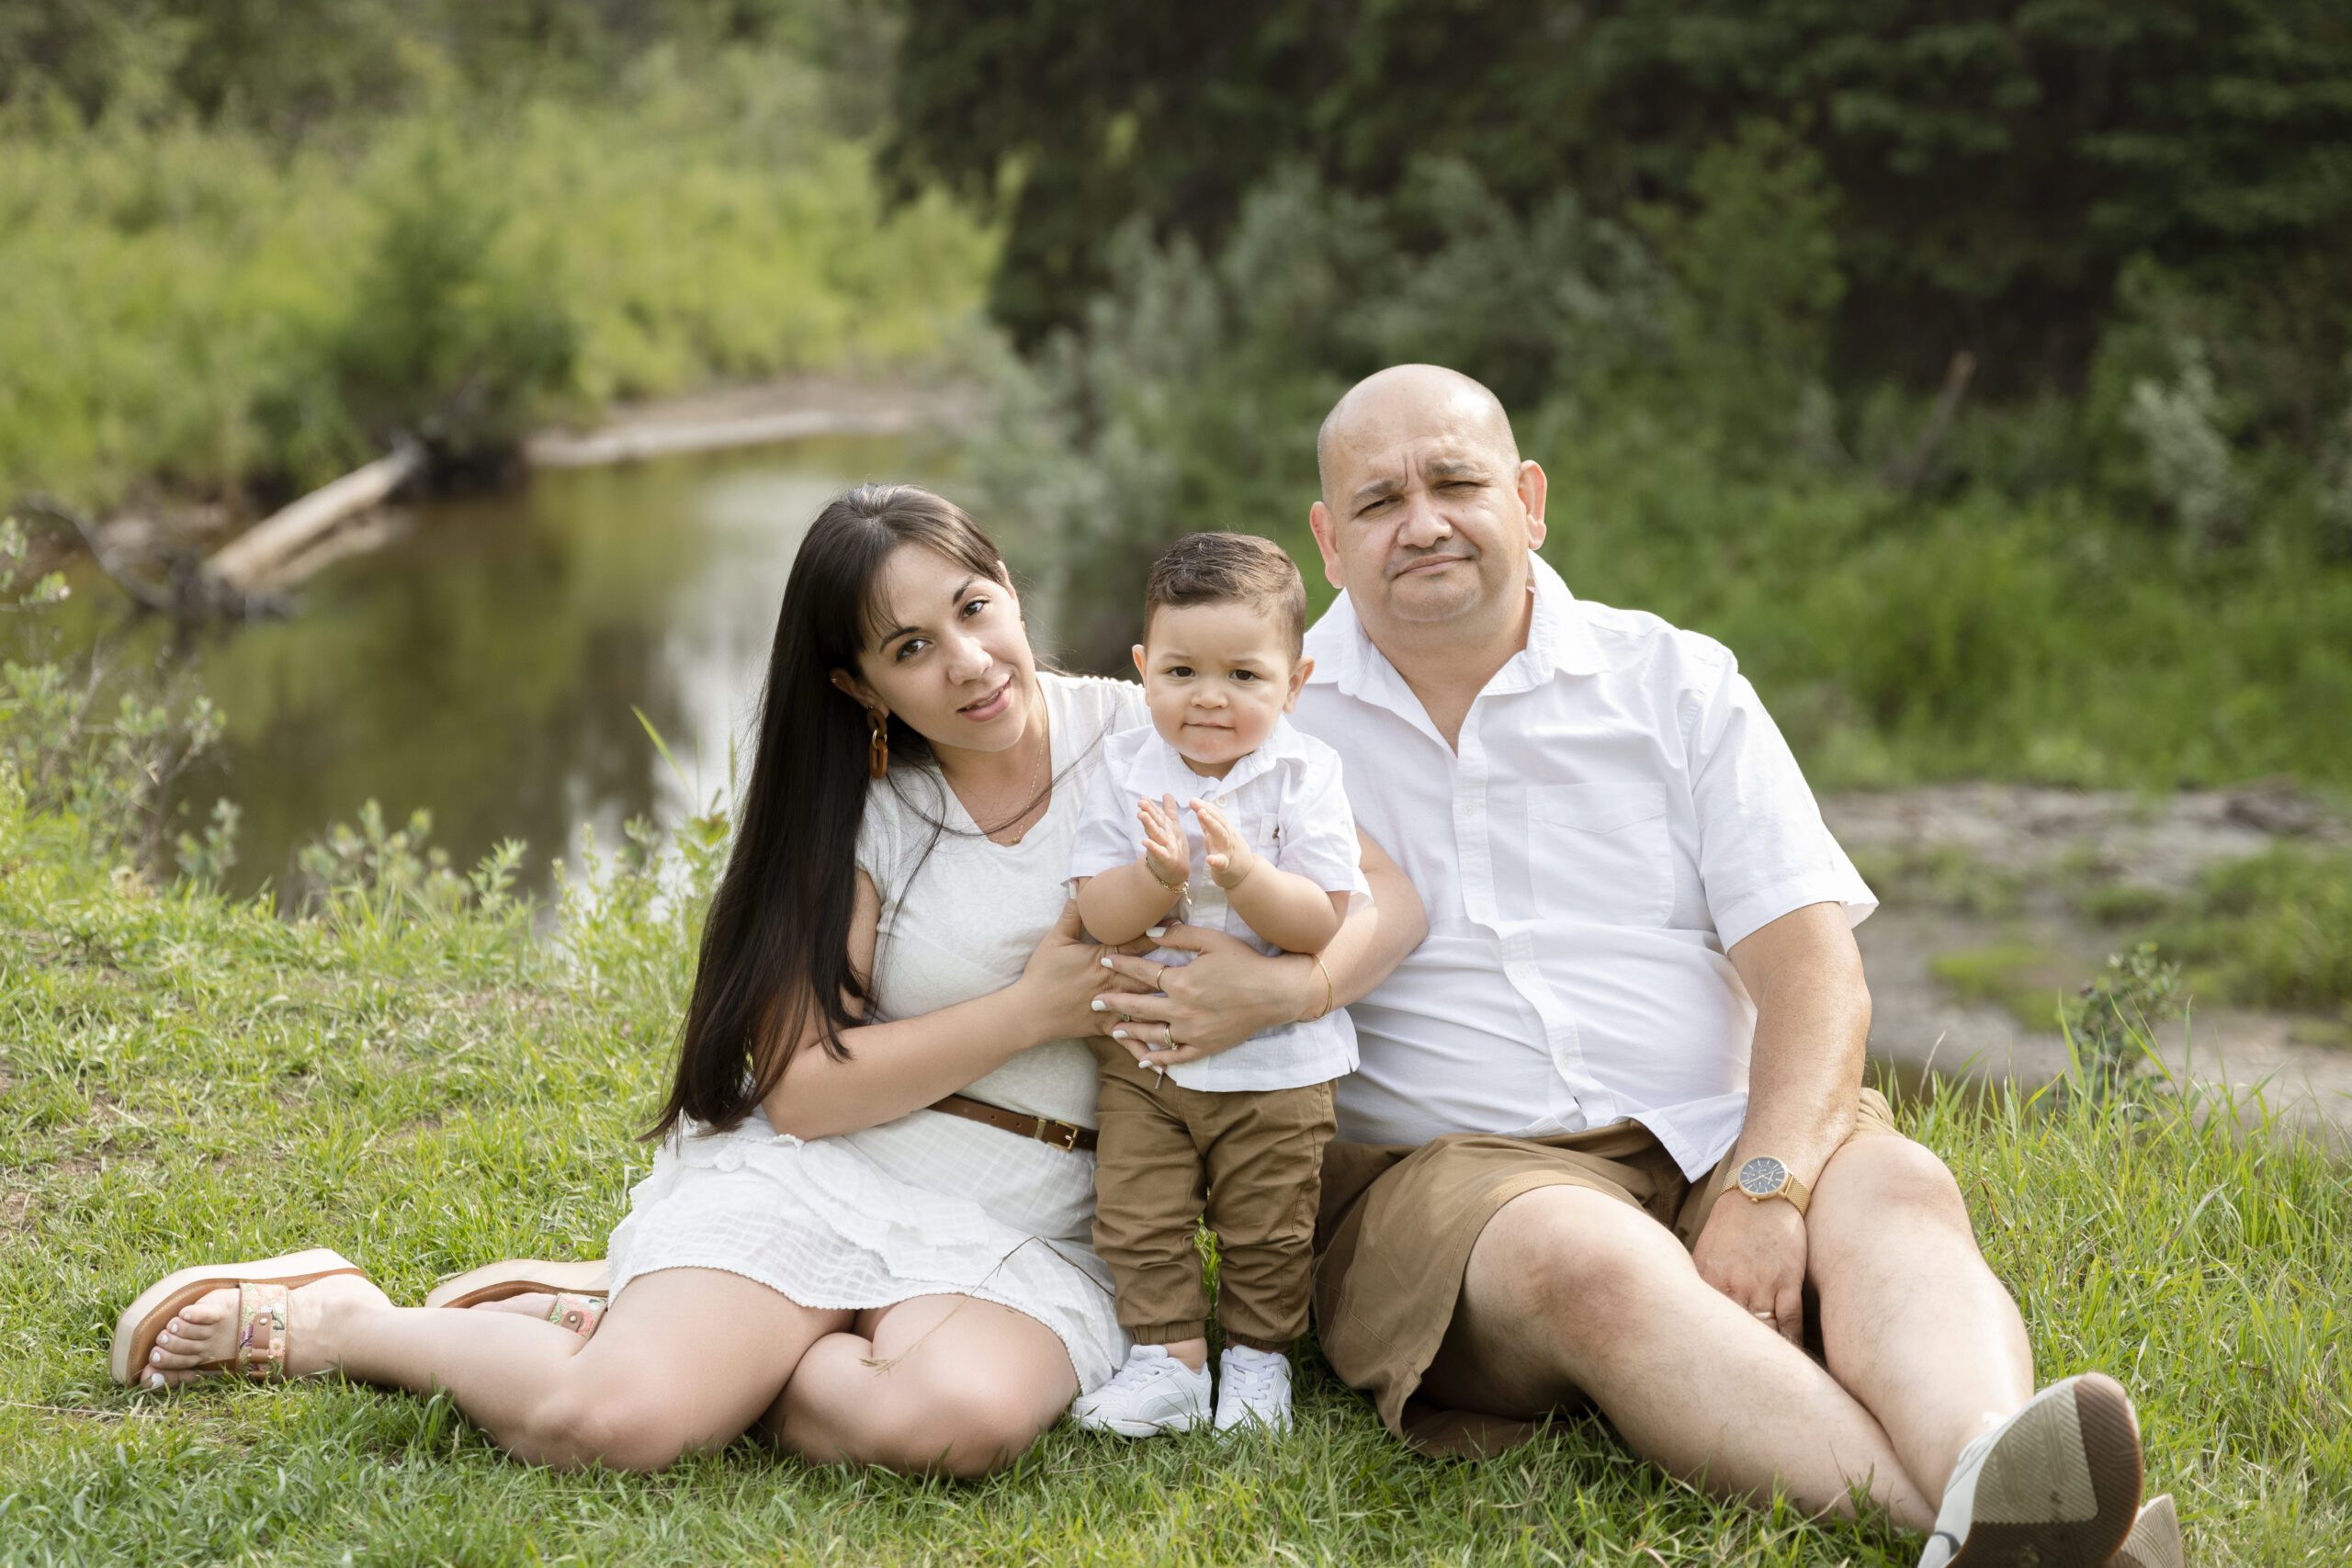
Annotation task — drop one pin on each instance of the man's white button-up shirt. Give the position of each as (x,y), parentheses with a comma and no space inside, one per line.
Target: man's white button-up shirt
(1620,811)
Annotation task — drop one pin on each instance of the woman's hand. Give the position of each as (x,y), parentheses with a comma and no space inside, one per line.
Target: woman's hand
(1061,979)
(1227,993)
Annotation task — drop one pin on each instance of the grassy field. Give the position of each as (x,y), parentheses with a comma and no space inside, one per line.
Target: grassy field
(415,1078)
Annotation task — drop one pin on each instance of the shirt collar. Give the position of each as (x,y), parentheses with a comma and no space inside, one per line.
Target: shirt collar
(1560,641)
(1160,768)
(1559,637)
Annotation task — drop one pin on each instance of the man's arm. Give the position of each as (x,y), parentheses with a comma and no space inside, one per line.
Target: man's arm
(1813,1019)
(1813,1022)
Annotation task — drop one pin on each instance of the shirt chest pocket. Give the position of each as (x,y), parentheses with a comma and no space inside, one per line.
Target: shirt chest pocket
(1261,830)
(1601,851)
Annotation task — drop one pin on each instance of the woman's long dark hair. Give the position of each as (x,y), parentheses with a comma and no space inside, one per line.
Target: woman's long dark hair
(776,945)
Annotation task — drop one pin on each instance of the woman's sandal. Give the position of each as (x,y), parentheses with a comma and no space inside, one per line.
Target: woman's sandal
(578,1312)
(261,1289)
(578,1288)
(519,1277)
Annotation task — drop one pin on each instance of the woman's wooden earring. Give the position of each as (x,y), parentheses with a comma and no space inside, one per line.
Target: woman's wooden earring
(877,746)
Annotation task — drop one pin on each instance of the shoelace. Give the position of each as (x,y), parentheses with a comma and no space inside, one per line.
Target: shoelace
(1253,1380)
(1148,1374)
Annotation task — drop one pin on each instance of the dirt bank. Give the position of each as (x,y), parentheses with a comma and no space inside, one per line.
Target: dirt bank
(2034,841)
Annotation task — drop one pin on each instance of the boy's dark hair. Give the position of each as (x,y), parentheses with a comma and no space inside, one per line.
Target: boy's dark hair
(1225,569)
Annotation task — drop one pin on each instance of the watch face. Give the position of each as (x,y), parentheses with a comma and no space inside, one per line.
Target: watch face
(1762,1177)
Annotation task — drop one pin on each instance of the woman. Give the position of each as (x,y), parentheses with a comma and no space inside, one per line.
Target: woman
(841,1241)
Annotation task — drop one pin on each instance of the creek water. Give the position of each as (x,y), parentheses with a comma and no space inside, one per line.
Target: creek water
(490,665)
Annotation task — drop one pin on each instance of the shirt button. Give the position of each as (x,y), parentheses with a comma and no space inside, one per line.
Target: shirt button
(730,1160)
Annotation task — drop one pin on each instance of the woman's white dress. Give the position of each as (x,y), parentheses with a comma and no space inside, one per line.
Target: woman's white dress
(928,1204)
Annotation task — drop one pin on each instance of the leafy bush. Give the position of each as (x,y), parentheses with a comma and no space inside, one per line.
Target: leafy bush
(99,750)
(1952,632)
(444,335)
(2275,930)
(194,305)
(2111,1023)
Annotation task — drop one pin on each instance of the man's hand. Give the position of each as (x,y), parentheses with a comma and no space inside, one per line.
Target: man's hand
(1755,1253)
(1227,993)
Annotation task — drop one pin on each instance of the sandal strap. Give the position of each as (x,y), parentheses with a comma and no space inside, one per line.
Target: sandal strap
(261,1330)
(580,1314)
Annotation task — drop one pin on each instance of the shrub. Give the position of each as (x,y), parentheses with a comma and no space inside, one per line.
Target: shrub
(98,750)
(2275,930)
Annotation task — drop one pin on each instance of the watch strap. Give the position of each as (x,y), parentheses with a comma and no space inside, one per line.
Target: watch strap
(1796,1191)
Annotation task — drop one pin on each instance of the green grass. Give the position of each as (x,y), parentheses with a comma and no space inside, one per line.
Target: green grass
(2017,976)
(420,1080)
(2272,931)
(1945,874)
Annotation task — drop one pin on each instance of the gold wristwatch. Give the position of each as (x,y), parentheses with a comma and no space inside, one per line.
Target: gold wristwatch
(1764,1178)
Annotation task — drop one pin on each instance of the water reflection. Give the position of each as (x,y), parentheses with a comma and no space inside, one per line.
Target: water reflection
(485,667)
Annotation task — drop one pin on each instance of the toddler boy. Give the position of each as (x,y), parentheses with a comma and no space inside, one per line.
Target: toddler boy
(1238,1136)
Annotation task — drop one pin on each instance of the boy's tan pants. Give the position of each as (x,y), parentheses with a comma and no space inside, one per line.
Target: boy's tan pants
(1251,1160)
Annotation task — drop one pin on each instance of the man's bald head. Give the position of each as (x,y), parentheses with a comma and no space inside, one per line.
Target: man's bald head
(1401,402)
(1429,516)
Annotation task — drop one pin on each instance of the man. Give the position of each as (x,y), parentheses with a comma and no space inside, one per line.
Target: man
(1608,1139)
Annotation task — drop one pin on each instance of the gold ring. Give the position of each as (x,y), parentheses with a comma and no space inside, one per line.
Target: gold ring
(1764,1313)
(1160,981)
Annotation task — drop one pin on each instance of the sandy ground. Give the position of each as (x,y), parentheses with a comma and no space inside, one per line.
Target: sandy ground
(2123,839)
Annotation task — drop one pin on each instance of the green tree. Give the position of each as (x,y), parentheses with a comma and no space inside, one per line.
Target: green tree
(1994,163)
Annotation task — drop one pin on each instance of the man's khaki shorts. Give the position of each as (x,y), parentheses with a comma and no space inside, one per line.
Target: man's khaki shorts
(1397,1223)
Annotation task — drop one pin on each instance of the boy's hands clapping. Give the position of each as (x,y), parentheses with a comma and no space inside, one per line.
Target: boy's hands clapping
(1166,851)
(1230,857)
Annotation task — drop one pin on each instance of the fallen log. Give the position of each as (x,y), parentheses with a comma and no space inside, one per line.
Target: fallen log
(631,444)
(251,559)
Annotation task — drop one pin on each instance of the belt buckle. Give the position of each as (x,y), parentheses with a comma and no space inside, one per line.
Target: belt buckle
(1065,1140)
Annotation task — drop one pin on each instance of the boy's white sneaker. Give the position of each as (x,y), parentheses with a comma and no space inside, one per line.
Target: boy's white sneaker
(1154,1392)
(2056,1486)
(1253,1388)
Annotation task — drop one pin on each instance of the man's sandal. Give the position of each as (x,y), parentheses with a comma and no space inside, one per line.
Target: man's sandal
(261,1289)
(2154,1540)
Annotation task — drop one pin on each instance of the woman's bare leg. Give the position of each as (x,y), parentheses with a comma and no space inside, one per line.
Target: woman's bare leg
(686,1359)
(950,1384)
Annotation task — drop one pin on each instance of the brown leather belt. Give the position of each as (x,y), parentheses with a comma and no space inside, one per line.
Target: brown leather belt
(1065,1136)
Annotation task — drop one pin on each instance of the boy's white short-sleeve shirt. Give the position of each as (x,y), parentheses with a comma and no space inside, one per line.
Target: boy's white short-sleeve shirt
(1286,799)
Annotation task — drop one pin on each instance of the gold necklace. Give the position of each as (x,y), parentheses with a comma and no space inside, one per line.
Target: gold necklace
(1028,799)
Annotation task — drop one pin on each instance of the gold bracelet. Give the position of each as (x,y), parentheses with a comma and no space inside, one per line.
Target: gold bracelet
(1330,991)
(1172,886)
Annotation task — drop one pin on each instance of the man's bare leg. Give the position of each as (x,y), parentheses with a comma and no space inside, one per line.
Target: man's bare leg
(1915,1325)
(1570,1291)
